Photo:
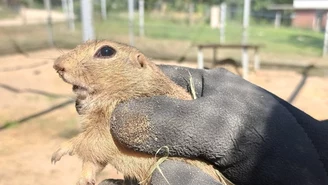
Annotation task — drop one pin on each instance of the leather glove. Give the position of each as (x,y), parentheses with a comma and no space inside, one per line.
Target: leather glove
(249,134)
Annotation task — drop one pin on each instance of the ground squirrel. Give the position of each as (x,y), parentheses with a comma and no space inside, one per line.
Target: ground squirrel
(103,74)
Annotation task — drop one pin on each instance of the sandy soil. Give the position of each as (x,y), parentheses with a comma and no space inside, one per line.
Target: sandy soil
(33,16)
(25,149)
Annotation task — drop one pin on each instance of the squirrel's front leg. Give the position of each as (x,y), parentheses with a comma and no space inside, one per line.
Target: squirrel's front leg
(65,148)
(89,172)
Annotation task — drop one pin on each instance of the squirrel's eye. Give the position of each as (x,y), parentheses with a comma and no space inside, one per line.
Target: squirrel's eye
(105,52)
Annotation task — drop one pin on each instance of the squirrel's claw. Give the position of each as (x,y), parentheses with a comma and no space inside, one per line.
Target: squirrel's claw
(56,156)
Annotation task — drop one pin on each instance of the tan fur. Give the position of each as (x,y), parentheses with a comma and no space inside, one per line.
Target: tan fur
(126,75)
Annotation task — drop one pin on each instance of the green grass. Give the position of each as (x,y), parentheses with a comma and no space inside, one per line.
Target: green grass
(288,40)
(282,41)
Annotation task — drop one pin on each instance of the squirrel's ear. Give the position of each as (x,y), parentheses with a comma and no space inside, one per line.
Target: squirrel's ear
(141,59)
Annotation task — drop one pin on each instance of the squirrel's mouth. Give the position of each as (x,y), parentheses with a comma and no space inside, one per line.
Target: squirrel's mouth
(81,91)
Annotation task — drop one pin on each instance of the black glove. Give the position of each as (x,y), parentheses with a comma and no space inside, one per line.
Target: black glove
(173,173)
(113,182)
(180,173)
(252,136)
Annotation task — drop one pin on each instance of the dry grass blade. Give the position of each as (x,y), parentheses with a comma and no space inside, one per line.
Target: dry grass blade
(223,180)
(156,165)
(192,87)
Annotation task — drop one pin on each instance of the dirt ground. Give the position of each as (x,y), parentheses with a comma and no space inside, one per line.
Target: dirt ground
(29,85)
(32,16)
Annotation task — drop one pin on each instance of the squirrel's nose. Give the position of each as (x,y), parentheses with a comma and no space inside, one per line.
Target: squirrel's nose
(58,67)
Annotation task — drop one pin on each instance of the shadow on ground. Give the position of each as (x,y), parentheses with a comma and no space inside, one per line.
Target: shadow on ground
(34,91)
(35,115)
(300,84)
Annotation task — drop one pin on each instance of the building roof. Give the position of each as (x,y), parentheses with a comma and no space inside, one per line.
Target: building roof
(310,4)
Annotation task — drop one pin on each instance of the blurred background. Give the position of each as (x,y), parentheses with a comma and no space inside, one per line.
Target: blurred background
(281,44)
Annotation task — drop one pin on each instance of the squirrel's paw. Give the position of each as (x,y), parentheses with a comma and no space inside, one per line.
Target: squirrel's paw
(64,150)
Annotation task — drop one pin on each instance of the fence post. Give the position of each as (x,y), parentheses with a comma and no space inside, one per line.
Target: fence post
(131,17)
(277,20)
(103,10)
(325,45)
(247,6)
(223,12)
(65,10)
(47,6)
(71,23)
(86,15)
(141,18)
(245,62)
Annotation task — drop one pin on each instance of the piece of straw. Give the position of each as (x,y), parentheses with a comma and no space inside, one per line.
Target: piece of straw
(192,86)
(156,165)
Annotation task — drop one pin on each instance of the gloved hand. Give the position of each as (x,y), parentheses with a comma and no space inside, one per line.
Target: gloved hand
(173,173)
(180,173)
(249,134)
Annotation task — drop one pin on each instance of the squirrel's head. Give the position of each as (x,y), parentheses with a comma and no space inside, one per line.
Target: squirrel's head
(98,67)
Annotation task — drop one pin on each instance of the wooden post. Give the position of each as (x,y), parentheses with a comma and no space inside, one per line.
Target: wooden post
(200,58)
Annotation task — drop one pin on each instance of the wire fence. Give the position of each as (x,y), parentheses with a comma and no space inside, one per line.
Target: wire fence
(163,26)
